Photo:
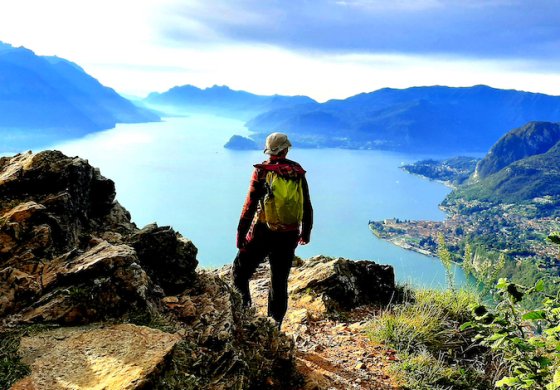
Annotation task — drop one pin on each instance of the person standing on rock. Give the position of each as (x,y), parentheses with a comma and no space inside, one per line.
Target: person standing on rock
(276,217)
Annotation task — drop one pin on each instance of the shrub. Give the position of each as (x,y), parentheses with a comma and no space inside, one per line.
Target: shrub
(434,353)
(423,371)
(428,320)
(528,340)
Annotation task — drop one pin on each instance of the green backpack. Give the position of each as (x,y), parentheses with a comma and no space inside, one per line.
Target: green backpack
(282,205)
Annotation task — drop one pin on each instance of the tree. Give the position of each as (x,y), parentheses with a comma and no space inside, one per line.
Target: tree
(445,257)
(468,259)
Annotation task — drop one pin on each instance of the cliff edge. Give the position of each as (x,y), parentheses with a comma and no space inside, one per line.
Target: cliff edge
(89,300)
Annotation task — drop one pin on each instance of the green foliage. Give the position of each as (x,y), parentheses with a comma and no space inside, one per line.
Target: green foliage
(424,329)
(468,259)
(425,322)
(11,367)
(528,340)
(423,371)
(554,238)
(454,170)
(445,257)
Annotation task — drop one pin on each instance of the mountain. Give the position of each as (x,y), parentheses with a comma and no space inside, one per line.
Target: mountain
(522,166)
(238,142)
(421,119)
(531,139)
(223,100)
(43,99)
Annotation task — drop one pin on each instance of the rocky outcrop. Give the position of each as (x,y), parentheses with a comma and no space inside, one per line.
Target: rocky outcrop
(169,258)
(69,252)
(331,303)
(343,284)
(121,356)
(226,346)
(71,258)
(89,300)
(323,286)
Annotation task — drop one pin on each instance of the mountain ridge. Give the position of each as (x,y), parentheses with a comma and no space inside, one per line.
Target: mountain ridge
(420,119)
(530,139)
(48,98)
(522,166)
(223,100)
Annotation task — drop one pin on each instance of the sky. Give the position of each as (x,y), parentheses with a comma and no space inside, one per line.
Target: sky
(324,49)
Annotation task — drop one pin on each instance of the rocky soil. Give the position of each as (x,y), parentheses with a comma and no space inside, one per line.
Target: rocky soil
(90,301)
(331,302)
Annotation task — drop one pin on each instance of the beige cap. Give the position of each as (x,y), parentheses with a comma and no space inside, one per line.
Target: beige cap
(275,143)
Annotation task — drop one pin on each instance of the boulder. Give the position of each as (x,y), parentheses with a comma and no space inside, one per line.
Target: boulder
(168,257)
(116,357)
(225,346)
(64,198)
(342,284)
(69,252)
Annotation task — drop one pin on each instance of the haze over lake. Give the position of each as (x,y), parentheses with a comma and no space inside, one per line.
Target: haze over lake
(177,173)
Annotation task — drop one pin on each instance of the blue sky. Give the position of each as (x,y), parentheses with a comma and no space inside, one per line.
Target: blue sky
(322,48)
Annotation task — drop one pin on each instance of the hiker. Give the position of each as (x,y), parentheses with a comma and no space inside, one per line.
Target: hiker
(276,216)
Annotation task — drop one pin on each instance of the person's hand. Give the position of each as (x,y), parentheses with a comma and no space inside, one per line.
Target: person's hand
(303,241)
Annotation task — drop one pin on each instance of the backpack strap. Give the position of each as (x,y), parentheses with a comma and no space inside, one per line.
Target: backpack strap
(283,169)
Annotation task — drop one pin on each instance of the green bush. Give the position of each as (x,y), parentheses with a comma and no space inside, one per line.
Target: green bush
(423,371)
(429,320)
(527,340)
(434,353)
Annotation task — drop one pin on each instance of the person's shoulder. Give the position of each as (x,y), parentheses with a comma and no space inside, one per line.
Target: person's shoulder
(263,165)
(296,167)
(294,163)
(281,166)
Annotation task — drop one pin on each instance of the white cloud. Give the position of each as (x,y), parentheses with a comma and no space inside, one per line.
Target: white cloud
(268,70)
(120,43)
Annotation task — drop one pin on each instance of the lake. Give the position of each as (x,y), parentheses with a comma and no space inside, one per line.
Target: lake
(177,173)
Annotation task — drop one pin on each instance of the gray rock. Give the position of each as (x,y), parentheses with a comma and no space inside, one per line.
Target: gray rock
(168,257)
(344,284)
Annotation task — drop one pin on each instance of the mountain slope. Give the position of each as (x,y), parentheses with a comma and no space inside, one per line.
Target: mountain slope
(51,95)
(531,139)
(223,100)
(428,119)
(522,166)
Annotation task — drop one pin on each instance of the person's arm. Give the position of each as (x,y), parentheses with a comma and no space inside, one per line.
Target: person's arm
(307,222)
(249,209)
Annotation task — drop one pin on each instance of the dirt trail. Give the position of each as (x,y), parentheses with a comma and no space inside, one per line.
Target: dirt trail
(332,354)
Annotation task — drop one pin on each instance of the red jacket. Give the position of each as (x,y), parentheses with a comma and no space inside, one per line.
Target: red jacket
(257,190)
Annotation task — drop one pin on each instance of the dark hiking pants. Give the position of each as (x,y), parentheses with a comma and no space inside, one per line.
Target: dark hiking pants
(279,247)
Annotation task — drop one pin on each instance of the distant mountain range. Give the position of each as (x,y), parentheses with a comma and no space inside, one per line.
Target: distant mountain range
(420,119)
(523,165)
(222,100)
(44,99)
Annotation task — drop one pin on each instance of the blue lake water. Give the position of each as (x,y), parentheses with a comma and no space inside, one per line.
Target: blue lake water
(177,173)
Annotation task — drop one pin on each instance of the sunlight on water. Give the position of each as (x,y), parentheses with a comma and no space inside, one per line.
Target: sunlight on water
(178,173)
